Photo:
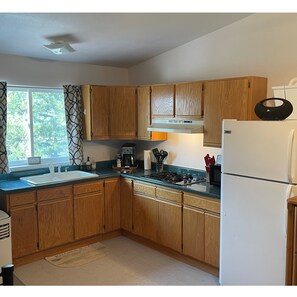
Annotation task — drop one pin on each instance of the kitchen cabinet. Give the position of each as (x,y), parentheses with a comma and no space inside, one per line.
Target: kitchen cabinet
(23,214)
(189,100)
(144,210)
(96,112)
(144,116)
(162,100)
(126,196)
(212,238)
(112,204)
(55,216)
(169,218)
(88,209)
(123,112)
(201,228)
(193,232)
(233,98)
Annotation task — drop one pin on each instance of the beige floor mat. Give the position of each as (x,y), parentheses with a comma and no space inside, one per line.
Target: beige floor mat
(78,257)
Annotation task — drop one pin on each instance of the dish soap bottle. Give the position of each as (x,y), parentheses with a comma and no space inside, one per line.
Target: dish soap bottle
(89,165)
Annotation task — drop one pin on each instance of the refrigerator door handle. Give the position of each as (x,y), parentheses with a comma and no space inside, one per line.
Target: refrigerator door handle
(290,154)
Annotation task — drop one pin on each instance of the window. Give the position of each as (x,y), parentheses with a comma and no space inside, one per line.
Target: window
(36,125)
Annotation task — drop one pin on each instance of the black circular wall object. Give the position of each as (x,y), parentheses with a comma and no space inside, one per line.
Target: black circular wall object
(273,113)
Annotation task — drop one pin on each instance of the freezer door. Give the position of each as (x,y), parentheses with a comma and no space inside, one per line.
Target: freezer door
(253,231)
(260,149)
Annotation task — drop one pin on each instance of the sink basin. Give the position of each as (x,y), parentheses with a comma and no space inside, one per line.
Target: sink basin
(58,177)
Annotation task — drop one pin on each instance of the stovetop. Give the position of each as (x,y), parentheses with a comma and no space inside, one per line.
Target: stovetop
(176,178)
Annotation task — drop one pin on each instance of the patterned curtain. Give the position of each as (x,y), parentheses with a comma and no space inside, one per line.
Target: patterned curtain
(74,118)
(3,125)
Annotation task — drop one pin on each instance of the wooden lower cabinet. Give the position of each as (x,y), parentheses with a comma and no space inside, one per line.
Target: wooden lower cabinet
(201,228)
(24,231)
(88,209)
(194,233)
(126,196)
(112,205)
(144,216)
(55,216)
(212,239)
(169,225)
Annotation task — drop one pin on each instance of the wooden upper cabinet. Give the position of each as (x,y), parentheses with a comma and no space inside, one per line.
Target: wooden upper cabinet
(144,112)
(144,116)
(96,112)
(123,112)
(162,100)
(189,99)
(233,98)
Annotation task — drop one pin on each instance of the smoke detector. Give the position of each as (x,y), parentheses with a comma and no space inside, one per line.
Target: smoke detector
(60,48)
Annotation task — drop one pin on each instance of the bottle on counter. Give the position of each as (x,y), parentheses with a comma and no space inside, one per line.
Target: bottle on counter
(89,164)
(119,161)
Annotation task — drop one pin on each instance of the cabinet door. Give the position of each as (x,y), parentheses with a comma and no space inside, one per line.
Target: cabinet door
(162,101)
(88,215)
(224,99)
(126,204)
(100,112)
(123,112)
(55,222)
(193,233)
(144,216)
(24,230)
(112,205)
(169,225)
(212,239)
(144,112)
(96,112)
(188,100)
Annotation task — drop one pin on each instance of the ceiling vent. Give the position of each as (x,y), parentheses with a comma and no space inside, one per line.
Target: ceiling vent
(60,48)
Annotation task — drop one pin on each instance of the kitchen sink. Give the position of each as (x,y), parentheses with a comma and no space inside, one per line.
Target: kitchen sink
(58,177)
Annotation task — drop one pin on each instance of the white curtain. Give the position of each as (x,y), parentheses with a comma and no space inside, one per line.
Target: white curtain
(74,118)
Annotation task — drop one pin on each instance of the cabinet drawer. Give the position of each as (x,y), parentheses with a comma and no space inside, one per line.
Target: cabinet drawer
(54,193)
(167,194)
(22,198)
(201,202)
(90,187)
(142,188)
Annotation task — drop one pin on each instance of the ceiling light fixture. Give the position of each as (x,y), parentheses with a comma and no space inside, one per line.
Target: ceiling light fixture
(60,48)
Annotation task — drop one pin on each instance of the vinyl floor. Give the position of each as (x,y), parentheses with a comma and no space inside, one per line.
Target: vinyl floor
(126,263)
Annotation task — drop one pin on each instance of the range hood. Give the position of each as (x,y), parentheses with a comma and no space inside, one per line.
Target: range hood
(176,125)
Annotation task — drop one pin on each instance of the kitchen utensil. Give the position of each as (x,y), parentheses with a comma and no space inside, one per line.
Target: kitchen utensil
(156,153)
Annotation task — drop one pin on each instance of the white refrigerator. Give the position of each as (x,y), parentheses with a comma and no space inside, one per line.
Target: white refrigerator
(259,167)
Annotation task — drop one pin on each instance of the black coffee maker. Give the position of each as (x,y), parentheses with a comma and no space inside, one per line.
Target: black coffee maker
(128,154)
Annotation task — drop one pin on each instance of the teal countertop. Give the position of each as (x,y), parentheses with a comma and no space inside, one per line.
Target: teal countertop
(12,183)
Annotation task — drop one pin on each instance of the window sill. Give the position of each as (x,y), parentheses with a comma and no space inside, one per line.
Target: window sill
(36,166)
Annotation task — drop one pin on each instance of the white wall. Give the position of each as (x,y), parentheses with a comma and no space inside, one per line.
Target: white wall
(261,45)
(31,72)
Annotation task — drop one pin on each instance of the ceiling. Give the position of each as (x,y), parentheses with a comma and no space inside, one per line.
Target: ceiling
(107,39)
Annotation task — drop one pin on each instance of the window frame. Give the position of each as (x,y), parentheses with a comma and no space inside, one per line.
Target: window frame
(23,164)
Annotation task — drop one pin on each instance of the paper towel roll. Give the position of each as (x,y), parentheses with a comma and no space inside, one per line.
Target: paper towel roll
(147,160)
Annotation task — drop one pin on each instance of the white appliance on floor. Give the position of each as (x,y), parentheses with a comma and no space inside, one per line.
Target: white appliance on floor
(5,240)
(259,174)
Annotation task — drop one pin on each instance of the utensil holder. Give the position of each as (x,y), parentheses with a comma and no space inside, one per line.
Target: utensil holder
(159,166)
